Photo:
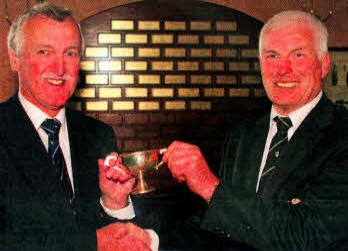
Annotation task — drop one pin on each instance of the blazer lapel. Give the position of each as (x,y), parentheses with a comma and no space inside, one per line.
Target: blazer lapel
(301,148)
(251,154)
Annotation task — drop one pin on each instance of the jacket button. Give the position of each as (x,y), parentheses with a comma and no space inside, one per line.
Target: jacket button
(247,227)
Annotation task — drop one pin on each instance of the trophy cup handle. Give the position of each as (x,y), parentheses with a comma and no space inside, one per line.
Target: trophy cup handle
(161,162)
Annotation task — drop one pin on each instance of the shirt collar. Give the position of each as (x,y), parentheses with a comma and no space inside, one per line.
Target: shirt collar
(300,114)
(36,115)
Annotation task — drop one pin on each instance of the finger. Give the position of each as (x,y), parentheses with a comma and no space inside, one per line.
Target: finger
(128,184)
(171,148)
(180,178)
(120,233)
(117,174)
(112,174)
(125,177)
(112,162)
(140,233)
(101,165)
(191,153)
(179,149)
(109,158)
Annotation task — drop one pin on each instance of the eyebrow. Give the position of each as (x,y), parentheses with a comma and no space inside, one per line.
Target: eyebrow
(50,47)
(72,47)
(44,46)
(270,51)
(293,50)
(297,49)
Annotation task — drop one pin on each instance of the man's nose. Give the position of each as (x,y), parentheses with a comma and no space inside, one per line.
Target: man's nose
(284,67)
(58,65)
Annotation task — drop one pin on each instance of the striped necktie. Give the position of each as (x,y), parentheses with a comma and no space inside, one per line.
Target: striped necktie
(52,127)
(278,143)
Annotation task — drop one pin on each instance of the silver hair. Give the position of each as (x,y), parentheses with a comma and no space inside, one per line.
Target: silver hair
(45,10)
(298,17)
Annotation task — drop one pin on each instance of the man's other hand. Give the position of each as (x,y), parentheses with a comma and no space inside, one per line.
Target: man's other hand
(123,236)
(187,164)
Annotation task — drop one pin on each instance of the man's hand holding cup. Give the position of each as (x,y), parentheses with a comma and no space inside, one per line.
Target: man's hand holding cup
(115,181)
(187,164)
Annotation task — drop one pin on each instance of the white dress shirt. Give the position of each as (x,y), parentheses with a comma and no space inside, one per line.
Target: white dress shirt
(296,118)
(37,116)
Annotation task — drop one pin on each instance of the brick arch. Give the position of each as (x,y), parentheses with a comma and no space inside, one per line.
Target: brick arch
(258,12)
(159,71)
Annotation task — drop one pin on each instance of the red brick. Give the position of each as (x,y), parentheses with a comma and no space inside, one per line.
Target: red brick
(92,115)
(232,118)
(123,132)
(159,143)
(172,132)
(120,145)
(136,119)
(147,132)
(214,118)
(111,118)
(206,132)
(188,118)
(135,145)
(162,118)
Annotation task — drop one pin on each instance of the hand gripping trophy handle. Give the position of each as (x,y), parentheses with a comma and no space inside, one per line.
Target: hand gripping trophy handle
(161,162)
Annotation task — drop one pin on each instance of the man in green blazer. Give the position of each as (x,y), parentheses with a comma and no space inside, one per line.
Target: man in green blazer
(283,181)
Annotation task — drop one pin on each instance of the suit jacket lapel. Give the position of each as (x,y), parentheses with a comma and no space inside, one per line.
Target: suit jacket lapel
(85,171)
(300,147)
(84,166)
(73,130)
(26,149)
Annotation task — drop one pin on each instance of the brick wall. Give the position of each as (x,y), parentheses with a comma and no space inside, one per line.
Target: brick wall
(158,71)
(336,84)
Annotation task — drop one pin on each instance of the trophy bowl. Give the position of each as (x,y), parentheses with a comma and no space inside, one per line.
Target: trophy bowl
(140,163)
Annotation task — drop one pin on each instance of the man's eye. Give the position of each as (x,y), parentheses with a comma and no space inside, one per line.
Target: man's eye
(299,54)
(271,56)
(71,53)
(43,52)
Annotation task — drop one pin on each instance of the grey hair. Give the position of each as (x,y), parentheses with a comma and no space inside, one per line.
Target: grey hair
(45,10)
(298,17)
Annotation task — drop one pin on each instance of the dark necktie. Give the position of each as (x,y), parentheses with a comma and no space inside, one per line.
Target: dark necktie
(51,127)
(278,143)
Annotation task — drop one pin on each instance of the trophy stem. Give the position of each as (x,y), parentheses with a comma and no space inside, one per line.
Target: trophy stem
(142,186)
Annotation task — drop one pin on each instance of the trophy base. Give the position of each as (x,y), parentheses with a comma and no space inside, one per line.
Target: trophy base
(142,187)
(149,189)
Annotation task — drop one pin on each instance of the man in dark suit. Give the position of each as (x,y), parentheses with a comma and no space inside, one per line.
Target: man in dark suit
(49,153)
(283,181)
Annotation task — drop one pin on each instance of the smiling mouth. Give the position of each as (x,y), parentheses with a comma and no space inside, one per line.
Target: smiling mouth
(287,85)
(55,81)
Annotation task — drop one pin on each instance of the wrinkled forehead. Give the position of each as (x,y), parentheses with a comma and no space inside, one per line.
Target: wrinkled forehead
(288,34)
(291,25)
(42,27)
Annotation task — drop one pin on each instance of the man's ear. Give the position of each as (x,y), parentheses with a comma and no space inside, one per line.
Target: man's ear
(14,60)
(325,65)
